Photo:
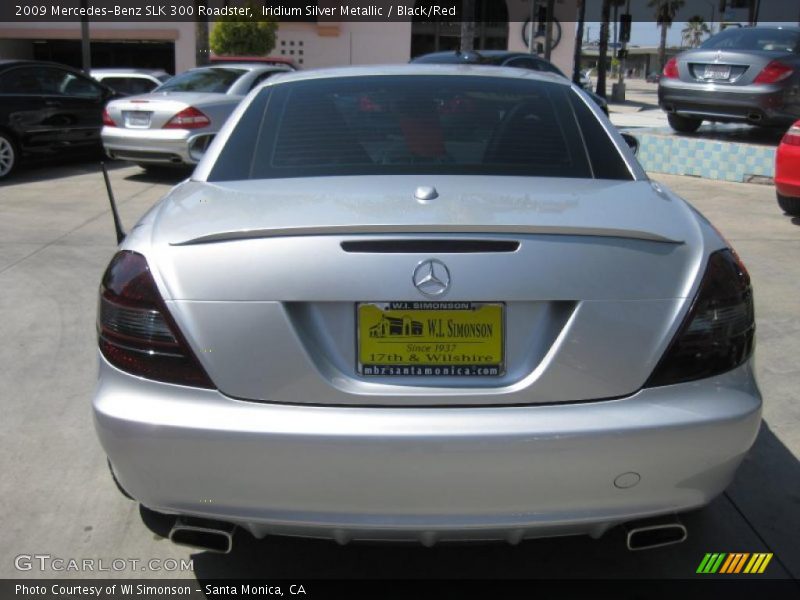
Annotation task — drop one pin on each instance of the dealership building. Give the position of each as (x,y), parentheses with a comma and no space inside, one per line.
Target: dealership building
(309,41)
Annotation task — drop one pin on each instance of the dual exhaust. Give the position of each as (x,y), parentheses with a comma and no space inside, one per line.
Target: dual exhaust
(654,533)
(203,534)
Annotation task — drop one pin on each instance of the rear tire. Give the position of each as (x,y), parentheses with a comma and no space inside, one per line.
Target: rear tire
(789,205)
(8,155)
(684,124)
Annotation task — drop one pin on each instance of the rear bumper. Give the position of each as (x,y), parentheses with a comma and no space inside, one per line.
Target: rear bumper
(157,146)
(421,473)
(767,104)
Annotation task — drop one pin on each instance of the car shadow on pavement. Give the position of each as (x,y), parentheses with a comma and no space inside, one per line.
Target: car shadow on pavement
(168,175)
(67,166)
(759,512)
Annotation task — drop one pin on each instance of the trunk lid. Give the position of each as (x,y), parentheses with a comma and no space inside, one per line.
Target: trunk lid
(153,111)
(726,67)
(265,279)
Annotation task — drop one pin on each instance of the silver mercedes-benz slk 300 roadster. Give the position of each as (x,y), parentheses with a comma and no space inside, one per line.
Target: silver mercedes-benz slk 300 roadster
(424,302)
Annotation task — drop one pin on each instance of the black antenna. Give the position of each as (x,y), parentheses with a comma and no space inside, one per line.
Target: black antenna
(114,213)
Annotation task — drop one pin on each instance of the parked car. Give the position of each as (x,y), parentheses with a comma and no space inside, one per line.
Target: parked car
(503,58)
(173,125)
(130,82)
(280,61)
(787,171)
(746,75)
(45,109)
(423,302)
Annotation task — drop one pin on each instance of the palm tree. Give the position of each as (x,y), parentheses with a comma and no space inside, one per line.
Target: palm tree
(605,15)
(605,18)
(692,34)
(665,14)
(467,25)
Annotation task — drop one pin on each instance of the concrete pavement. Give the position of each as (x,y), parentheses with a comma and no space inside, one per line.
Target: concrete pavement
(56,237)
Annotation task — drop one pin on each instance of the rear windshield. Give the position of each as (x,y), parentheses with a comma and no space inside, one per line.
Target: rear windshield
(741,38)
(398,125)
(203,80)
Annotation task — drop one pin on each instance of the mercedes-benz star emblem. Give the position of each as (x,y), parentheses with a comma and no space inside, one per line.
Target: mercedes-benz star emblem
(431,277)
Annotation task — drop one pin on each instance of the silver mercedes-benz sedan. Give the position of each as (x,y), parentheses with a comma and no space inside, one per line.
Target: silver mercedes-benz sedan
(746,75)
(174,124)
(424,302)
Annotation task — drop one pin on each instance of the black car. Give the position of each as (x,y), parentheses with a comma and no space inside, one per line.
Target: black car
(47,108)
(502,58)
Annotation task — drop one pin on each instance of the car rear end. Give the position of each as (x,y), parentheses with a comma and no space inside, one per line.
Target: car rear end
(747,75)
(174,124)
(164,130)
(310,344)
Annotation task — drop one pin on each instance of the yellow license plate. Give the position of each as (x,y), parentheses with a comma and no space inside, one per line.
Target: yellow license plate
(433,339)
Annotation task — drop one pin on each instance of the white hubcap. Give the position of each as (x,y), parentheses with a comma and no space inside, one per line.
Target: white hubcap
(6,156)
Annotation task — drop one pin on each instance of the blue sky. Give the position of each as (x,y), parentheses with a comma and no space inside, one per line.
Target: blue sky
(647,33)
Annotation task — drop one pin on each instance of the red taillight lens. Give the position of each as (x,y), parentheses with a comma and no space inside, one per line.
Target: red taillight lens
(671,69)
(774,72)
(792,137)
(717,334)
(188,118)
(107,120)
(136,332)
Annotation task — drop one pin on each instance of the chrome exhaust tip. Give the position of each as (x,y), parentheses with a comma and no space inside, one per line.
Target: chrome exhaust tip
(203,534)
(655,533)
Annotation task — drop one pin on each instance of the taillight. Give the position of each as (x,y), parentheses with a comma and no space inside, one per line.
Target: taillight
(136,332)
(792,137)
(188,118)
(717,334)
(774,72)
(671,69)
(107,120)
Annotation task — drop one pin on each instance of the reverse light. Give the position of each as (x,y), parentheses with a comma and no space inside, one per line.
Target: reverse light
(718,333)
(136,332)
(188,118)
(671,69)
(792,137)
(107,120)
(774,72)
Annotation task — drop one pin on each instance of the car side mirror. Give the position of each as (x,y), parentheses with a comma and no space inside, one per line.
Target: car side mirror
(632,142)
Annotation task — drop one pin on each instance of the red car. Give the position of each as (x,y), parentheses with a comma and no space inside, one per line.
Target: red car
(787,171)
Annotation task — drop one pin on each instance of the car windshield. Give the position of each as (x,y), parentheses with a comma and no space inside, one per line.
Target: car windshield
(393,125)
(216,80)
(745,38)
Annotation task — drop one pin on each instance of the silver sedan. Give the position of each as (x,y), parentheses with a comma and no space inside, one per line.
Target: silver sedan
(174,124)
(746,75)
(424,302)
